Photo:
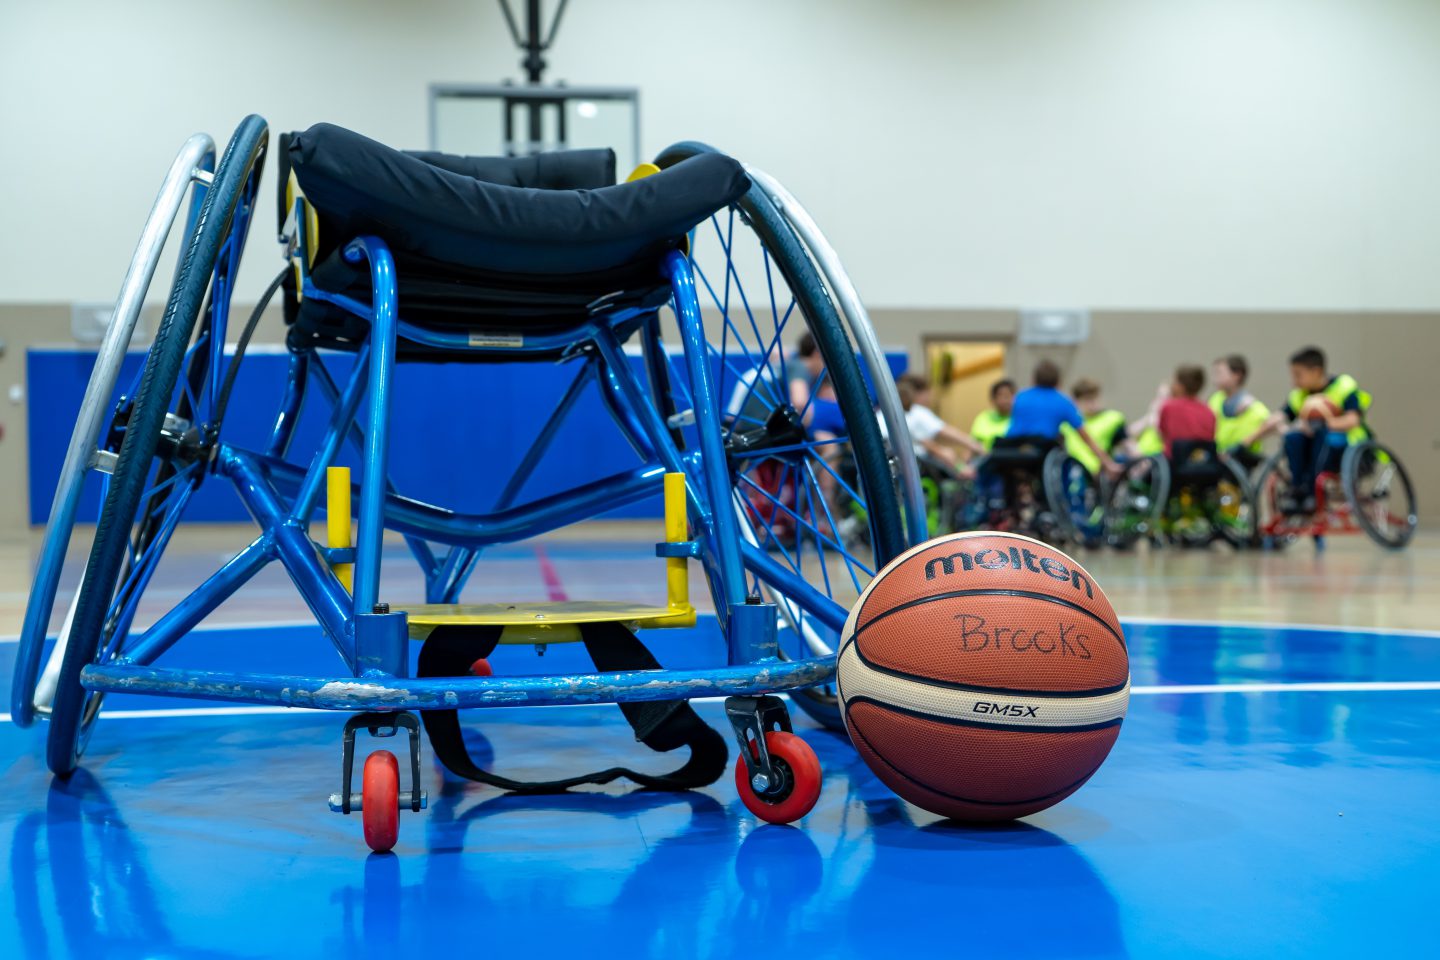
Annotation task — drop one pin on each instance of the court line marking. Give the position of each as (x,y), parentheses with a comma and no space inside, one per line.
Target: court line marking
(1280,625)
(1356,686)
(554,589)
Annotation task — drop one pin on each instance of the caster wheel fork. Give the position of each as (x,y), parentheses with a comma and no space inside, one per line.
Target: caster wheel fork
(380,798)
(777,773)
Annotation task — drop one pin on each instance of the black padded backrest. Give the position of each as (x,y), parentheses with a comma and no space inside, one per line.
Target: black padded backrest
(558,170)
(1194,453)
(417,206)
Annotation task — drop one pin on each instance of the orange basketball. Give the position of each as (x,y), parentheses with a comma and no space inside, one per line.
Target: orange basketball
(983,676)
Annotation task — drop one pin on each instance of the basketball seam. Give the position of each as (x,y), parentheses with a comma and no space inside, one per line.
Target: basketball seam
(982,725)
(951,796)
(993,592)
(977,688)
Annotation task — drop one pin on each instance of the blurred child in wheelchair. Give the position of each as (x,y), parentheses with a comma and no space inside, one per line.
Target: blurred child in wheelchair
(1326,414)
(1106,427)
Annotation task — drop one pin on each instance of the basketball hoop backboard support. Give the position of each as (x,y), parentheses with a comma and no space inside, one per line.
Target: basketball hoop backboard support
(533,118)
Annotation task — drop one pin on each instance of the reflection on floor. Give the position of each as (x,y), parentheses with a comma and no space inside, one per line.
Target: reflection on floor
(1295,818)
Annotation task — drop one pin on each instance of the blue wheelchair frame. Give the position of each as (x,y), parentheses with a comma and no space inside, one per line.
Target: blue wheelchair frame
(373,642)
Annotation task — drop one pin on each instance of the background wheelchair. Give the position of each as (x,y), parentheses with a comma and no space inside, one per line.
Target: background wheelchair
(374,272)
(1031,485)
(1192,498)
(1371,492)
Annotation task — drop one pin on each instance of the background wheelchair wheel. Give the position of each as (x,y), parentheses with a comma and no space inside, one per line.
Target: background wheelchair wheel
(1137,500)
(1275,530)
(1380,494)
(1234,507)
(168,431)
(819,511)
(1075,499)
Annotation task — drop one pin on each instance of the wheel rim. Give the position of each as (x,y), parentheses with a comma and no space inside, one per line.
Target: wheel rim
(1383,499)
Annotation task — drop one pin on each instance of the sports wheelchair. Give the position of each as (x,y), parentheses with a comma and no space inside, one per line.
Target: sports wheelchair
(1191,498)
(1370,492)
(394,257)
(1031,485)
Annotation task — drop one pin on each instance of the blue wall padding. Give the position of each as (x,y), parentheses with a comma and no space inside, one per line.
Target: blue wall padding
(460,429)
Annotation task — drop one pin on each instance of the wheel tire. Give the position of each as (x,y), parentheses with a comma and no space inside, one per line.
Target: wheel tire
(73,712)
(1240,535)
(1350,466)
(1055,473)
(795,759)
(1125,538)
(1271,529)
(380,800)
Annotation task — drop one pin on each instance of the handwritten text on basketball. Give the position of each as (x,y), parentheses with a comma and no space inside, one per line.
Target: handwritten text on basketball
(1067,641)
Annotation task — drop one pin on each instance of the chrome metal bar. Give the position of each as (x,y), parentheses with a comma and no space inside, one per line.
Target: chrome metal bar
(197,152)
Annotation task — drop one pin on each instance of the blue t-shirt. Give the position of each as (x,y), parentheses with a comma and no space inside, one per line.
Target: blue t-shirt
(1039,411)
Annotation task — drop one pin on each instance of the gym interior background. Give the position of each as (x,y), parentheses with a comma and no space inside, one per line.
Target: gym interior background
(1202,176)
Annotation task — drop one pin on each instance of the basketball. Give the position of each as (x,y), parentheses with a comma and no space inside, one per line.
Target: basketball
(983,676)
(1318,406)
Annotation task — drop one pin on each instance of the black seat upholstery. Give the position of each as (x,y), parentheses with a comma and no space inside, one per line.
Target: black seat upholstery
(1196,463)
(1019,453)
(495,243)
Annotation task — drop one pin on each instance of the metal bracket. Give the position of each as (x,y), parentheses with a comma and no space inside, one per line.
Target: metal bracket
(685,549)
(380,725)
(334,555)
(751,718)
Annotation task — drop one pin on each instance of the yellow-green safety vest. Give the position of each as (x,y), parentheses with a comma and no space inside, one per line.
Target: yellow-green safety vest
(1150,443)
(1337,391)
(1230,432)
(1103,427)
(987,426)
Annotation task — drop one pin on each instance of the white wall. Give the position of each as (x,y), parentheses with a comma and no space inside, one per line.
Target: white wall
(1203,154)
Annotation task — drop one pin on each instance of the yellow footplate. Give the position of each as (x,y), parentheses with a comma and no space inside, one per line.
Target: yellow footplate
(559,621)
(555,622)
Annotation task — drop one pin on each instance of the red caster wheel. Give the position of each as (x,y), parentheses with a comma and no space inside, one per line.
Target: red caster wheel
(481,668)
(799,774)
(380,800)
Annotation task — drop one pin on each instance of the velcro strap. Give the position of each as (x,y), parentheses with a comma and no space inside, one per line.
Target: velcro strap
(660,725)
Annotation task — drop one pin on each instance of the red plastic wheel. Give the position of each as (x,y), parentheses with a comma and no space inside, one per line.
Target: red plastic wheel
(481,668)
(800,770)
(380,800)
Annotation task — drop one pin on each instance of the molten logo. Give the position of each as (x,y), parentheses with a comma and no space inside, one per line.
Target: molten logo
(1015,559)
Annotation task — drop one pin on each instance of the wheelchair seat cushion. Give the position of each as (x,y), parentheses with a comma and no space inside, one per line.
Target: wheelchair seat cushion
(539,215)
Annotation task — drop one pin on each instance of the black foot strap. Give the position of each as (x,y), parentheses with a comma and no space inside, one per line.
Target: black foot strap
(660,725)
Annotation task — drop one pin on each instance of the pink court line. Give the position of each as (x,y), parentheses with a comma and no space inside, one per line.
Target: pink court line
(554,589)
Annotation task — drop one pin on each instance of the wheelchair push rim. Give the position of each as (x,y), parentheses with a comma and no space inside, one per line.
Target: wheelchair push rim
(1075,497)
(1136,501)
(819,511)
(166,435)
(1378,490)
(32,690)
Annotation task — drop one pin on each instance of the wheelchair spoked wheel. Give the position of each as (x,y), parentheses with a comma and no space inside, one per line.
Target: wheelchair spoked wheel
(1076,499)
(814,486)
(1232,506)
(167,434)
(1379,493)
(31,690)
(1276,529)
(1136,502)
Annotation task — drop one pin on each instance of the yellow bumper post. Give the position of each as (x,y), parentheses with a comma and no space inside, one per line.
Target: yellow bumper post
(677,569)
(337,517)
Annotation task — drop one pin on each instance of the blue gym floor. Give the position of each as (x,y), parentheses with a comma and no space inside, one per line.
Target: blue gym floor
(1274,793)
